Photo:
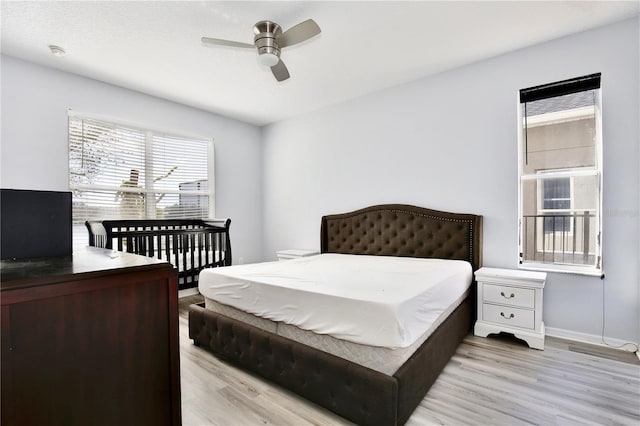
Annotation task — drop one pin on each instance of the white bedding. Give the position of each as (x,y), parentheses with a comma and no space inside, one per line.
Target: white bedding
(372,300)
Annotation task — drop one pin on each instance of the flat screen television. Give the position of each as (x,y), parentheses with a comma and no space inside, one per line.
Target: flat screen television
(35,224)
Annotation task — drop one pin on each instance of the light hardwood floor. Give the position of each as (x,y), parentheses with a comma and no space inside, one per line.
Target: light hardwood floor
(489,381)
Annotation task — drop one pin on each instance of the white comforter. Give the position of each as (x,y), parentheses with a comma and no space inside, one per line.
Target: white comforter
(373,300)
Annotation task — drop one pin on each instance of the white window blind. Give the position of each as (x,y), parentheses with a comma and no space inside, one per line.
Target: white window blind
(119,171)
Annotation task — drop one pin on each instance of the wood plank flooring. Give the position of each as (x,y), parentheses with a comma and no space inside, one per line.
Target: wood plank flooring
(489,381)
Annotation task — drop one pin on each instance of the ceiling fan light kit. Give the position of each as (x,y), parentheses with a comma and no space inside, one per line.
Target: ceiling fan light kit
(265,41)
(268,59)
(269,40)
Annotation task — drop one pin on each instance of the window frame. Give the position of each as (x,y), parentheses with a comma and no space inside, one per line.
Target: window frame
(150,132)
(596,170)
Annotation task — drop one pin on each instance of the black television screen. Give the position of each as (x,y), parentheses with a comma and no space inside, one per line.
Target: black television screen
(35,224)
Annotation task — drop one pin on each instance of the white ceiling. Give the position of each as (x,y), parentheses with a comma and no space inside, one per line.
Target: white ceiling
(154,46)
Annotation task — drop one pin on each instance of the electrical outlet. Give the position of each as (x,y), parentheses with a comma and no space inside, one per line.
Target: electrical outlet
(240,261)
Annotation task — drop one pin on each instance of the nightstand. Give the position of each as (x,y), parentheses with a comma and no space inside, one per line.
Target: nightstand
(511,301)
(294,254)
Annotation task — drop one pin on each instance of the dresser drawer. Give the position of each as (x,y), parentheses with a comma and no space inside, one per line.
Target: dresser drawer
(507,315)
(512,296)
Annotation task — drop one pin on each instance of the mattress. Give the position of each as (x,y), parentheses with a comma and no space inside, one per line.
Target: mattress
(382,301)
(383,360)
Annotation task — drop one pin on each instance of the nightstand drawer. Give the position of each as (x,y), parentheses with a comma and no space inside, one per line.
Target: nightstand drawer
(512,296)
(514,317)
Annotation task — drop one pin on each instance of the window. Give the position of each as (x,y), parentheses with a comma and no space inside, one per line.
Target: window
(555,204)
(560,176)
(120,171)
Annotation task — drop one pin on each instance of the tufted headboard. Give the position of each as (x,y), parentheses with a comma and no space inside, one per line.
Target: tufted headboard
(404,230)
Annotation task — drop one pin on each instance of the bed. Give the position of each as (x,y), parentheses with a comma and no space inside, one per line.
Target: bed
(356,390)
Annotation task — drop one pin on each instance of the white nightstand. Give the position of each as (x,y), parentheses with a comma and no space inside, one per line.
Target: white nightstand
(511,301)
(294,254)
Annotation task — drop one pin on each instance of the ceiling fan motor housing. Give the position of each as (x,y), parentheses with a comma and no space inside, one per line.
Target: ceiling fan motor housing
(265,37)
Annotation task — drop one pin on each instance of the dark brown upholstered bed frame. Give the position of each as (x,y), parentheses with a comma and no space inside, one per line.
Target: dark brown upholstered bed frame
(357,393)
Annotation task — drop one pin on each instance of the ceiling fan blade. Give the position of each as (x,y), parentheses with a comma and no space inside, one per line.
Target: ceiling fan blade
(298,33)
(230,43)
(280,71)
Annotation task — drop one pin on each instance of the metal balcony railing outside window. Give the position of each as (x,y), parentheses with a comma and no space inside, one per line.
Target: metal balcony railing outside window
(560,238)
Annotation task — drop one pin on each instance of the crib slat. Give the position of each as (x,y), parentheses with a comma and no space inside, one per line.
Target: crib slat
(150,248)
(207,247)
(176,261)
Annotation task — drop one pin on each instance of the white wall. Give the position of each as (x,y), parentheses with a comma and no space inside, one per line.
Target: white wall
(34,148)
(449,142)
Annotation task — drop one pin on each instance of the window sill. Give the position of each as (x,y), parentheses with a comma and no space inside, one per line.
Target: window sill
(563,269)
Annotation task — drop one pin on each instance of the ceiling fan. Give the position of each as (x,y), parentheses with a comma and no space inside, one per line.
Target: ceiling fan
(269,40)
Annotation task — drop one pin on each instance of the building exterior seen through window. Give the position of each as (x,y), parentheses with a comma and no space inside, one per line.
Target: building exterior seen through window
(560,176)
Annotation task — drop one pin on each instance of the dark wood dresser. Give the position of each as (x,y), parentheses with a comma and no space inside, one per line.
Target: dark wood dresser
(90,339)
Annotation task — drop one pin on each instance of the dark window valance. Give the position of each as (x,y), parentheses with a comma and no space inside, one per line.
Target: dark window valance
(559,88)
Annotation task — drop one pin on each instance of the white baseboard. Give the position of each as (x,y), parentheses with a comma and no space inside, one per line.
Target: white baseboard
(187,292)
(592,339)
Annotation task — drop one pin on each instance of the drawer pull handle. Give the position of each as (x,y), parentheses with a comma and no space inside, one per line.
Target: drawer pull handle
(505,296)
(507,317)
